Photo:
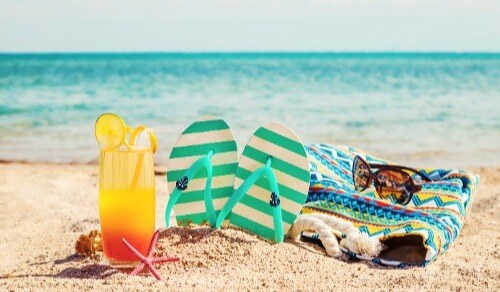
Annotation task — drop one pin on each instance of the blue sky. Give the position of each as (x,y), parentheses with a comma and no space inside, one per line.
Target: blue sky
(252,25)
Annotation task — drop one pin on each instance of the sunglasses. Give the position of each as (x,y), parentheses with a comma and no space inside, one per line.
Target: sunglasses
(398,182)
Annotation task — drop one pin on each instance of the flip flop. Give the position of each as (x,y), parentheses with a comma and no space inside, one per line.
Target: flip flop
(200,172)
(271,184)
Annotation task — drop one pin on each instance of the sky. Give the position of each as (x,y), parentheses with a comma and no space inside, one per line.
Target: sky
(252,25)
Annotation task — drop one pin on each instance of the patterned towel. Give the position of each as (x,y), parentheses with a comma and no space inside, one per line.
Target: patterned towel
(427,226)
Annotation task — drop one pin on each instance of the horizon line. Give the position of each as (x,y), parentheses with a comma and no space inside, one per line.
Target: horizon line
(242,52)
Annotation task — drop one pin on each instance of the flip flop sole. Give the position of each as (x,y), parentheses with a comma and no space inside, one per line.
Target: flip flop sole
(291,167)
(208,133)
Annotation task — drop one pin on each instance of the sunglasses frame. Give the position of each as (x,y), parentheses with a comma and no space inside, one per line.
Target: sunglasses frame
(414,187)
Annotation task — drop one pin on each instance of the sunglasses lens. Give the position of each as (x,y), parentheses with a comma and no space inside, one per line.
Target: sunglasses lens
(361,174)
(394,183)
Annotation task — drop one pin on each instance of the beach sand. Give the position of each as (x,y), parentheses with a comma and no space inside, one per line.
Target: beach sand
(45,207)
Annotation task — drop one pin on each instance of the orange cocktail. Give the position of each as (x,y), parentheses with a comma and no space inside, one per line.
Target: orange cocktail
(126,203)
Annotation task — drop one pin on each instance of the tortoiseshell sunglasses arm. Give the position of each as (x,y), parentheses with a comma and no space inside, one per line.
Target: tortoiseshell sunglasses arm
(399,167)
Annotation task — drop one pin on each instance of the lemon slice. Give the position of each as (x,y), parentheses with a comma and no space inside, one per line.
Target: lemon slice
(110,131)
(153,142)
(128,128)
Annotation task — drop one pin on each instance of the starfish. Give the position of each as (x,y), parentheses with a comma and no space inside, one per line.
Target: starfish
(149,260)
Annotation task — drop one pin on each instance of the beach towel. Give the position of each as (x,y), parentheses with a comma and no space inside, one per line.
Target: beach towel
(412,234)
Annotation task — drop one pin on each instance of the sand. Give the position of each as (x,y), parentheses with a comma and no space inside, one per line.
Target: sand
(45,207)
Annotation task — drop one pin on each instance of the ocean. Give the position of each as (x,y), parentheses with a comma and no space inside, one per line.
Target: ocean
(422,109)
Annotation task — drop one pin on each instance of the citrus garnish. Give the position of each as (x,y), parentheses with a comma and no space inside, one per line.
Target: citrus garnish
(153,142)
(110,131)
(128,128)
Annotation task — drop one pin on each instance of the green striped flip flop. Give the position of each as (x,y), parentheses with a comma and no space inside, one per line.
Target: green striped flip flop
(200,172)
(271,183)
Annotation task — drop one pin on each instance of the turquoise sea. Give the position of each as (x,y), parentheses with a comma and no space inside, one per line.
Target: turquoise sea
(420,109)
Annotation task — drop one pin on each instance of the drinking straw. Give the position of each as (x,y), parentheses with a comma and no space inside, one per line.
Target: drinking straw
(137,171)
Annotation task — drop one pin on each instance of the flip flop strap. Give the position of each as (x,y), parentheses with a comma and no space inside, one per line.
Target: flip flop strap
(274,202)
(203,162)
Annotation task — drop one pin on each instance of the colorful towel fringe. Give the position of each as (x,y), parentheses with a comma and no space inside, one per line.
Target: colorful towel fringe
(436,214)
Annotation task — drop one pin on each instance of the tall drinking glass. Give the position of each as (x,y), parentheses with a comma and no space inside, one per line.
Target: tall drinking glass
(126,203)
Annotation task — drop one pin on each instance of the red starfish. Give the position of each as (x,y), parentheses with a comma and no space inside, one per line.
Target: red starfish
(149,260)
